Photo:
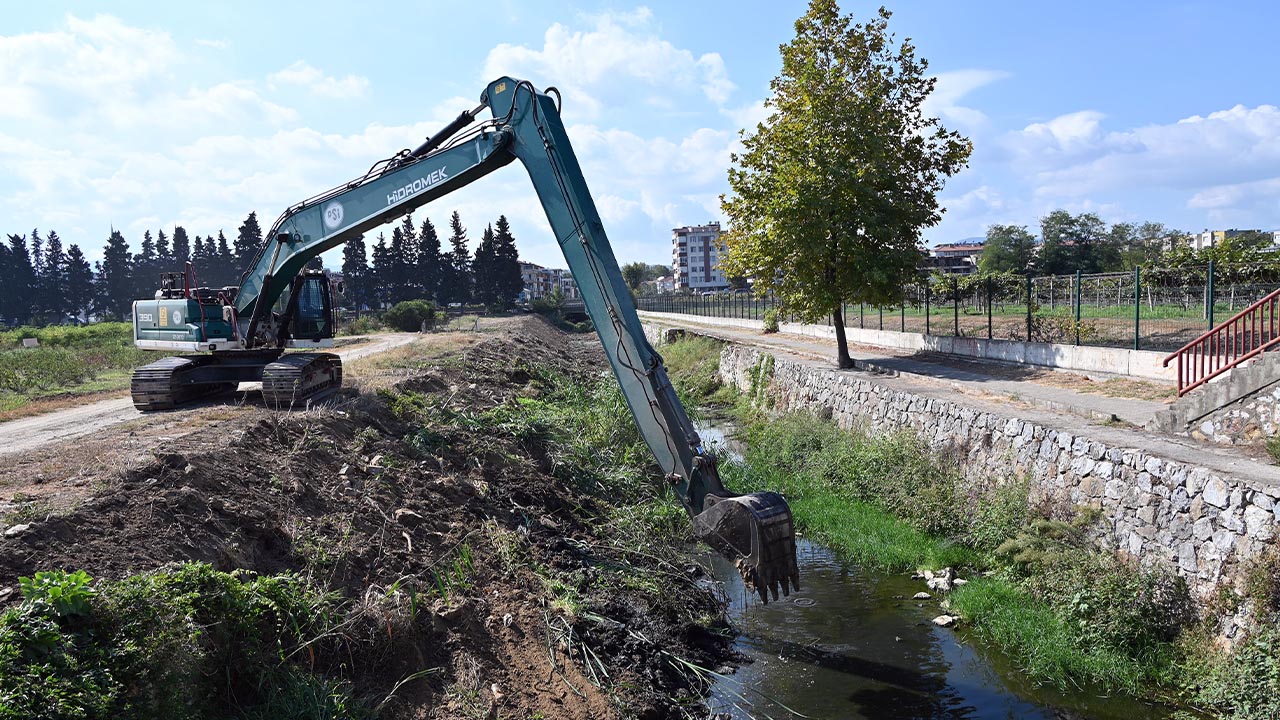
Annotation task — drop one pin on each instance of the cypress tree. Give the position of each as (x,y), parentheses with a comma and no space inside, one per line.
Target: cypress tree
(164,256)
(181,248)
(483,267)
(22,279)
(507,277)
(116,281)
(79,283)
(459,287)
(381,271)
(6,285)
(430,261)
(52,300)
(226,263)
(355,273)
(248,241)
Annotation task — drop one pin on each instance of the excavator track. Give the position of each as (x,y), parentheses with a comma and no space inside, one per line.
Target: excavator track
(298,377)
(162,384)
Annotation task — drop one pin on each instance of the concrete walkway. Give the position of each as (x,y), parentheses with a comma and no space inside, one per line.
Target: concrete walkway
(1049,405)
(969,379)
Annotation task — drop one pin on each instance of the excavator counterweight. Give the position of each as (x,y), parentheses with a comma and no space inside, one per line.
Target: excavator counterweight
(278,305)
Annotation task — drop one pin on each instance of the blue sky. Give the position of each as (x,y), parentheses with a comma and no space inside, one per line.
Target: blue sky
(146,115)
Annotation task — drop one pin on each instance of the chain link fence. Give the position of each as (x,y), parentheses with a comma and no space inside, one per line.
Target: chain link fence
(1158,309)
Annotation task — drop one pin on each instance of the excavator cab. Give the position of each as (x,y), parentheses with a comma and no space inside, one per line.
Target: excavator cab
(310,307)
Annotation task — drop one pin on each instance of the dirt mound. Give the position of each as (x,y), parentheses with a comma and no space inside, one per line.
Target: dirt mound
(364,498)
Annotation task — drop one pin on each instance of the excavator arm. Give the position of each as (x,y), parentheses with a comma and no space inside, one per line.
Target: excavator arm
(755,529)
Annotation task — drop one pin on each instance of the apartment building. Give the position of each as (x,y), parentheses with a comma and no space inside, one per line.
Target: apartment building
(540,281)
(695,258)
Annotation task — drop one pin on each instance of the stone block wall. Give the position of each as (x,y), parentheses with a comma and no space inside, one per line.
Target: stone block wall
(1203,525)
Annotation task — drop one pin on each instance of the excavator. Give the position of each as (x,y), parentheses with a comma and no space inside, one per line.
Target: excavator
(241,334)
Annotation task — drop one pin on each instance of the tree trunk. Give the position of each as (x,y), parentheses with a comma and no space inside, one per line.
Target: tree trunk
(843,360)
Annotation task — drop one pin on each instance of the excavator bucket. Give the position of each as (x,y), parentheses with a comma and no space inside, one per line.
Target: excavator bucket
(757,531)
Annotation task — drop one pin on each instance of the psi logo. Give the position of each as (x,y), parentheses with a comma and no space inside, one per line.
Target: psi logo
(333,215)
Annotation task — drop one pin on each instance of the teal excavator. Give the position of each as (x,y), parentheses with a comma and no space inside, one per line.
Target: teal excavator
(240,334)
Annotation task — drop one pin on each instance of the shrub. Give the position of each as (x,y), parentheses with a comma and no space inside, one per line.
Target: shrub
(1246,684)
(771,321)
(1000,512)
(363,325)
(411,316)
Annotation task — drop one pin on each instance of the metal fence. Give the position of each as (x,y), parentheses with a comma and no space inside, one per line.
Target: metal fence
(1147,308)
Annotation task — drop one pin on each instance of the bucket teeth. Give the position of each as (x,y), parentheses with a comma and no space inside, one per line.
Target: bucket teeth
(758,532)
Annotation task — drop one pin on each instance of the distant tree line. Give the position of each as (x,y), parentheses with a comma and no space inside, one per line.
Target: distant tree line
(1068,243)
(43,282)
(414,264)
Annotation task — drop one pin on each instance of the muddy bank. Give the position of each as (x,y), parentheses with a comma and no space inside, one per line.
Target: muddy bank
(537,600)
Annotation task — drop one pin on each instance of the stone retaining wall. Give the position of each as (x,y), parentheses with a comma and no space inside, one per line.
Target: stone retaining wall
(1201,524)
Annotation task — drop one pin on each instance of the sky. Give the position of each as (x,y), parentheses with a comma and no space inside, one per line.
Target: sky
(142,115)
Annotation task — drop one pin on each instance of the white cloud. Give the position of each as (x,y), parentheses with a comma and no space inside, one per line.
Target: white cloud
(99,60)
(952,87)
(620,57)
(300,73)
(748,116)
(1073,155)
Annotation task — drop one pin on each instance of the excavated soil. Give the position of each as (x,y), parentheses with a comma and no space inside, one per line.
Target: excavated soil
(338,494)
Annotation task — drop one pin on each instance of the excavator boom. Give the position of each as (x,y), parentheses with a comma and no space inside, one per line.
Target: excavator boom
(756,530)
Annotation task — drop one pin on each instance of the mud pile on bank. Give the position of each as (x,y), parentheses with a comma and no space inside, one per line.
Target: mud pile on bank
(525,598)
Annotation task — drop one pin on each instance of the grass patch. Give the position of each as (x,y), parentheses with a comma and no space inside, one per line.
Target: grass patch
(1042,643)
(182,642)
(68,361)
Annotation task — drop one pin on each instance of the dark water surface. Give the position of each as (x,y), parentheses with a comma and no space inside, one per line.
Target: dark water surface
(853,644)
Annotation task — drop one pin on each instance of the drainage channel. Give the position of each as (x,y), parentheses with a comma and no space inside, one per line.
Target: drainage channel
(854,644)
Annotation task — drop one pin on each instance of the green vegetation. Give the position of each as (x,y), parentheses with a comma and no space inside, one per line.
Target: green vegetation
(411,316)
(68,360)
(771,321)
(798,222)
(363,325)
(181,642)
(1067,613)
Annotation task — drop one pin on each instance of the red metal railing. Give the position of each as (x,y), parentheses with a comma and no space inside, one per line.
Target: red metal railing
(1248,333)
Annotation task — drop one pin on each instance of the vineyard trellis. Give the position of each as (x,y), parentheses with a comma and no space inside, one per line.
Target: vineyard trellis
(1148,309)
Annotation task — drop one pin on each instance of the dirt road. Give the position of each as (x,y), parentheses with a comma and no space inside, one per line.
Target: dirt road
(27,434)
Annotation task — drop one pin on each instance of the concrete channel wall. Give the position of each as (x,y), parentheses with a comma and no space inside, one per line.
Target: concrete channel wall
(1112,361)
(1204,525)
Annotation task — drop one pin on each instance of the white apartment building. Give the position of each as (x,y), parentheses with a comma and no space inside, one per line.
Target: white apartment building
(540,281)
(695,258)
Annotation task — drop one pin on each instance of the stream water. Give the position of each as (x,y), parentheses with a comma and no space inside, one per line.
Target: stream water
(854,644)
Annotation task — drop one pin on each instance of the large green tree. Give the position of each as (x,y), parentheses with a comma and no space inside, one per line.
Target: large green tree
(1008,248)
(832,190)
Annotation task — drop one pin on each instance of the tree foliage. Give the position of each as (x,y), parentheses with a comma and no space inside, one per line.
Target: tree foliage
(832,190)
(1008,248)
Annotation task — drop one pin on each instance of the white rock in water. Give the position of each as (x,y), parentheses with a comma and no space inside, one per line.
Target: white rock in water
(922,596)
(944,621)
(939,583)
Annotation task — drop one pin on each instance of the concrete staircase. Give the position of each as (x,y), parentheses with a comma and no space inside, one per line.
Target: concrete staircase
(1239,383)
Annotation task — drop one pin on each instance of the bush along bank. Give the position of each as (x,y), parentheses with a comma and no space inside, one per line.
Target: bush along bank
(483,538)
(1038,588)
